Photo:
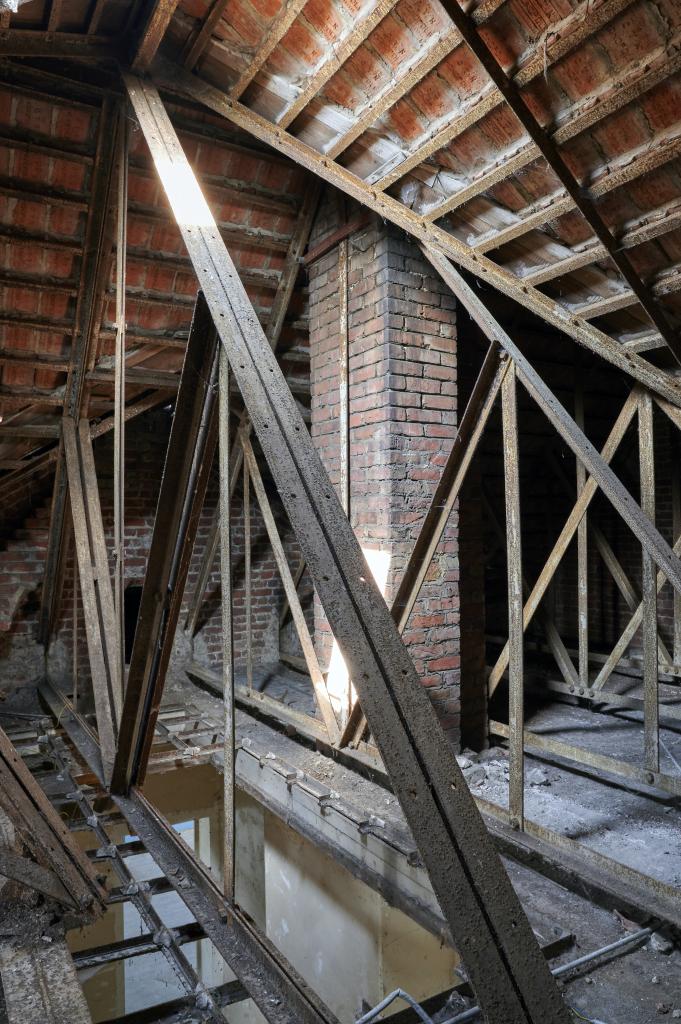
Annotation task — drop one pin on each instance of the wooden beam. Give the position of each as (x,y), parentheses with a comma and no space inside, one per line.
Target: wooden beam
(29,430)
(581,116)
(651,723)
(229,753)
(112,640)
(183,486)
(34,876)
(93,587)
(318,682)
(198,42)
(628,633)
(92,283)
(55,15)
(582,556)
(71,876)
(551,153)
(341,51)
(158,20)
(554,642)
(643,529)
(514,573)
(59,45)
(379,103)
(119,385)
(288,13)
(632,598)
(280,305)
(584,21)
(488,925)
(173,78)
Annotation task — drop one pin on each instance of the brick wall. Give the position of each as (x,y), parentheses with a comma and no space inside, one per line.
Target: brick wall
(146,441)
(403,409)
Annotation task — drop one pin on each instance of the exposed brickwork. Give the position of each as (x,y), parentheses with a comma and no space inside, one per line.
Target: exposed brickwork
(146,442)
(403,404)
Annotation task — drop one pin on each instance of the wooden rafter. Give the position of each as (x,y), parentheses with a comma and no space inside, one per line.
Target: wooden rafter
(341,51)
(93,277)
(175,79)
(197,43)
(288,13)
(582,116)
(582,200)
(158,20)
(394,91)
(585,22)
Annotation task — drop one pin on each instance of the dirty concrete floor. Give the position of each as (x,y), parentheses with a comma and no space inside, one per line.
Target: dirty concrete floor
(642,986)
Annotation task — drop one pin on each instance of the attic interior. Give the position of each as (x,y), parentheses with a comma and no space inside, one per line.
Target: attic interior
(340,511)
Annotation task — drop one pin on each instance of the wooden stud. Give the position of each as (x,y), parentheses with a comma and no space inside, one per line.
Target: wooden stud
(229,753)
(119,389)
(649,588)
(676,530)
(100,669)
(297,614)
(516,716)
(582,557)
(637,521)
(111,639)
(248,574)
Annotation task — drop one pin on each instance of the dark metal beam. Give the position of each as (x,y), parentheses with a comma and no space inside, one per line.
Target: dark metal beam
(487,922)
(185,478)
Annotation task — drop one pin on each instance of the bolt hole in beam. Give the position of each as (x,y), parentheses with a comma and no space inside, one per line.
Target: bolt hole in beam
(507,970)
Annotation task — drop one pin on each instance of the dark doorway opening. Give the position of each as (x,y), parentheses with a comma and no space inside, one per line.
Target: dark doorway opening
(131,606)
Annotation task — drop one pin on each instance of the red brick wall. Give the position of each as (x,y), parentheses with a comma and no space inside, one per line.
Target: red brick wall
(403,409)
(146,441)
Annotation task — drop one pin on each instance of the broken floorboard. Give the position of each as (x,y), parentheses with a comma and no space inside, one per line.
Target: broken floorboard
(39,980)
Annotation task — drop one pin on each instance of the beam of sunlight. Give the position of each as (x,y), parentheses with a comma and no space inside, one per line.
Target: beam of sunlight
(341,691)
